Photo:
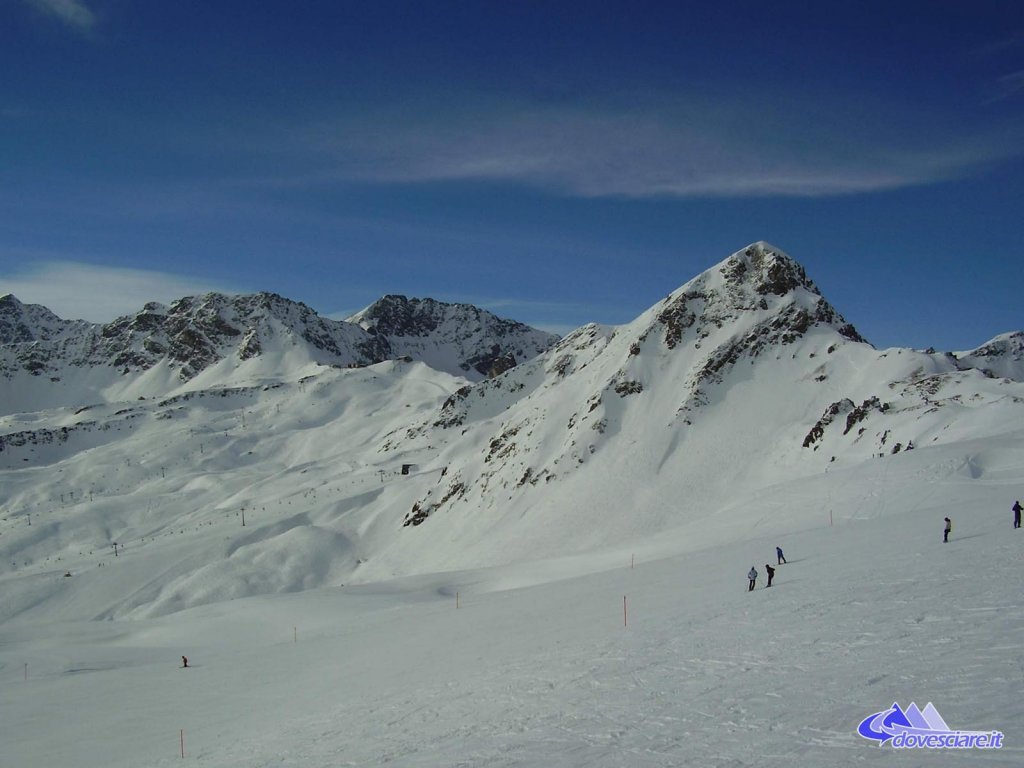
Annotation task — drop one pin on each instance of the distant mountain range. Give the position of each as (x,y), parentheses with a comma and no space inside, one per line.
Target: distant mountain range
(218,335)
(459,440)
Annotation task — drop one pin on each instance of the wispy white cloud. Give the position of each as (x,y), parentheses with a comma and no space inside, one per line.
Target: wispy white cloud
(1008,86)
(696,149)
(80,291)
(997,47)
(73,13)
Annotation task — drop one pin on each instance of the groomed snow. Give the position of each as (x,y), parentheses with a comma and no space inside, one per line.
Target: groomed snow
(535,667)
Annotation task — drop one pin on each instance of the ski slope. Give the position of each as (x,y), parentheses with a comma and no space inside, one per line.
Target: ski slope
(536,664)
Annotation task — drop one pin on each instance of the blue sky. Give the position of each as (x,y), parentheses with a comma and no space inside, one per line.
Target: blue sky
(557,163)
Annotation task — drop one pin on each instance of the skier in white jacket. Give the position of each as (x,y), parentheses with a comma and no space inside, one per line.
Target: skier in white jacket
(752,575)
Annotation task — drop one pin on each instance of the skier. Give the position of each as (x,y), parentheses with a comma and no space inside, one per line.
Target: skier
(752,575)
(779,555)
(184,662)
(771,572)
(1016,514)
(947,530)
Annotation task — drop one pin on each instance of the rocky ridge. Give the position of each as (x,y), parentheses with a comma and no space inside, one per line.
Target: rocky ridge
(195,333)
(1003,356)
(755,315)
(424,329)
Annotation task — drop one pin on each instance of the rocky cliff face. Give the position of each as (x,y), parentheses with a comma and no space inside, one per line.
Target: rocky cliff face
(195,332)
(477,342)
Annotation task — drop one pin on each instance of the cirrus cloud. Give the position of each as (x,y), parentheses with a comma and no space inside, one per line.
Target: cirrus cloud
(73,13)
(696,149)
(78,290)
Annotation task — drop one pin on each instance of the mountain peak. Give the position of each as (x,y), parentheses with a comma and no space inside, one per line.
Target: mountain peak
(20,322)
(766,270)
(758,295)
(398,315)
(754,317)
(432,330)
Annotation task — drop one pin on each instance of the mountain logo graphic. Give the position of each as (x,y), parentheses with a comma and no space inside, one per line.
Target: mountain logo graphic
(914,728)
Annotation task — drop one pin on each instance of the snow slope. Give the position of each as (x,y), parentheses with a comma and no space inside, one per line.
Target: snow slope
(535,668)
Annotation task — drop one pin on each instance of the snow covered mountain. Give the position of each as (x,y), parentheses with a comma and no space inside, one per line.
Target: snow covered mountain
(457,338)
(217,340)
(27,323)
(742,381)
(1003,356)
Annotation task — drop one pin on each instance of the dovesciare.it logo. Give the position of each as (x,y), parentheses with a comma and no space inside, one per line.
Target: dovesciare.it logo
(914,728)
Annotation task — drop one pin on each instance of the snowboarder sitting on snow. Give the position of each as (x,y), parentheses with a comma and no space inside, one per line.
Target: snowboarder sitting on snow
(947,530)
(752,575)
(771,572)
(779,555)
(1016,514)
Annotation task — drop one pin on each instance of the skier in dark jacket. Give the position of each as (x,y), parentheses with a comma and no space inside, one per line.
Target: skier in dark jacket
(1016,514)
(779,555)
(752,575)
(947,530)
(771,572)
(184,662)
